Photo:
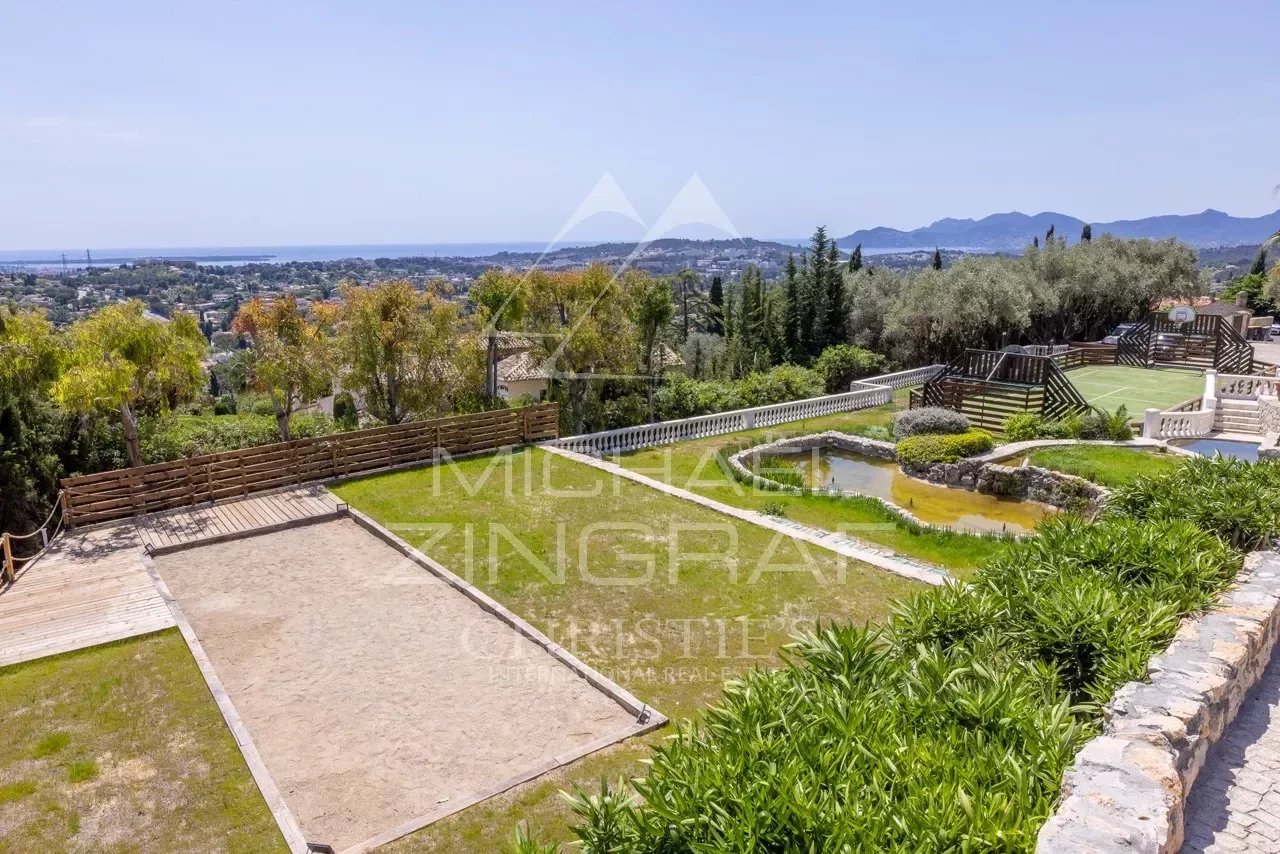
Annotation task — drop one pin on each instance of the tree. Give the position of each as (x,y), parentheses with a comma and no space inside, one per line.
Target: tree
(29,462)
(841,364)
(687,284)
(834,322)
(119,358)
(937,258)
(586,323)
(651,313)
(291,360)
(716,325)
(407,352)
(1260,264)
(855,259)
(1048,235)
(500,300)
(792,317)
(1086,233)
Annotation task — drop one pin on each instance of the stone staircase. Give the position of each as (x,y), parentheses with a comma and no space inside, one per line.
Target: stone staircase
(1237,416)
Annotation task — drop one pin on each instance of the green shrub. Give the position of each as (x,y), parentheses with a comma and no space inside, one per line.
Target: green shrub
(1237,500)
(841,364)
(773,507)
(344,410)
(928,419)
(178,436)
(1023,427)
(941,448)
(948,730)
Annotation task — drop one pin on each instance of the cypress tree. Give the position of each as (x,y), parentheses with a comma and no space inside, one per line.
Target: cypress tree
(1086,233)
(717,301)
(937,258)
(834,322)
(805,331)
(855,259)
(819,270)
(1260,265)
(792,318)
(1048,235)
(1035,242)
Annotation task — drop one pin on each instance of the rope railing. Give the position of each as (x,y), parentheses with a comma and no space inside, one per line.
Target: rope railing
(10,567)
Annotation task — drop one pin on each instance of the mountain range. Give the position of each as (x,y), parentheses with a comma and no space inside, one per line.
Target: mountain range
(1012,232)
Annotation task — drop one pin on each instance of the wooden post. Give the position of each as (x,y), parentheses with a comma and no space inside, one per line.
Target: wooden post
(8,557)
(67,518)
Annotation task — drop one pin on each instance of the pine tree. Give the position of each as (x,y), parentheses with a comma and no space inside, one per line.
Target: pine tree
(1260,265)
(855,259)
(1086,233)
(716,325)
(937,258)
(834,331)
(792,319)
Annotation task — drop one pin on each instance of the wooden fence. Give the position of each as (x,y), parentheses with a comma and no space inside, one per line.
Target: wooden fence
(129,492)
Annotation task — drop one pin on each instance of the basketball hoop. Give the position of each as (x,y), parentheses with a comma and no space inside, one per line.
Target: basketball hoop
(1182,314)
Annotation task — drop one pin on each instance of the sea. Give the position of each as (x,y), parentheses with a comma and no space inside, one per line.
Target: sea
(34,260)
(40,259)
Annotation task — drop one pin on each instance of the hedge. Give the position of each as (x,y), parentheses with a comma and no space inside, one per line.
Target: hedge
(942,448)
(928,419)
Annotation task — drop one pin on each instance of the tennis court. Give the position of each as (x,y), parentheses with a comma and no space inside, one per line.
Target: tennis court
(1137,389)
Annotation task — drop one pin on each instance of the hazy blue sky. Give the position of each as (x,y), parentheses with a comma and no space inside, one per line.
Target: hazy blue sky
(155,124)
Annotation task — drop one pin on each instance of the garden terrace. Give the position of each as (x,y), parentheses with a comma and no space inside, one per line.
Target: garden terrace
(122,744)
(1107,465)
(694,465)
(667,598)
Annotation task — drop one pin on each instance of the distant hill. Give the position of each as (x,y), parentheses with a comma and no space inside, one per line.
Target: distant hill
(1012,232)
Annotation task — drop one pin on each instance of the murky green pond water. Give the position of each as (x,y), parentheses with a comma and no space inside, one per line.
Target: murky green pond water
(938,505)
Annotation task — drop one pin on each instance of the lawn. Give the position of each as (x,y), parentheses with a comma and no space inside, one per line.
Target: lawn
(1137,389)
(120,747)
(692,465)
(1108,465)
(667,598)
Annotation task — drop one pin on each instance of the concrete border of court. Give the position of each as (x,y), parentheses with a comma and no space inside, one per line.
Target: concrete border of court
(289,827)
(647,717)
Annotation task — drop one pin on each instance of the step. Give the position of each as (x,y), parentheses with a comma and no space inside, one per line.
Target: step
(1240,404)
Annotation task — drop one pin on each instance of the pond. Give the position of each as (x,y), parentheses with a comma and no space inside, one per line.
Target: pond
(938,505)
(1226,447)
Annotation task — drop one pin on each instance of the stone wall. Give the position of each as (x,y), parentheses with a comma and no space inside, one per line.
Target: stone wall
(1269,414)
(1028,482)
(1128,787)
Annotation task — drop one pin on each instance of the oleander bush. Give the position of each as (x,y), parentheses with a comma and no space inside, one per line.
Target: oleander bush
(949,729)
(928,419)
(943,448)
(1237,500)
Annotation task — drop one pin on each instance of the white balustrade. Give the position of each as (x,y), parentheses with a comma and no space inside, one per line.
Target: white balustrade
(864,394)
(1177,425)
(1243,386)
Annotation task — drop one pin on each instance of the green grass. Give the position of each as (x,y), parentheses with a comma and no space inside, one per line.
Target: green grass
(670,631)
(692,465)
(120,747)
(1138,389)
(1108,465)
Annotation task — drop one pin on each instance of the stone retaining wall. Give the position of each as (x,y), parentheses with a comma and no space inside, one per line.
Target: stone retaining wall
(1128,787)
(1028,482)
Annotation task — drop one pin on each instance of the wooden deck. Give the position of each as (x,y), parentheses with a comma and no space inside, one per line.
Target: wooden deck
(266,511)
(91,586)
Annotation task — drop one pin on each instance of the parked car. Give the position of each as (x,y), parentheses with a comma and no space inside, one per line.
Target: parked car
(1114,337)
(1275,331)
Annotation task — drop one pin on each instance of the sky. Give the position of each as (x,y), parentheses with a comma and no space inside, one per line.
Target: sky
(131,124)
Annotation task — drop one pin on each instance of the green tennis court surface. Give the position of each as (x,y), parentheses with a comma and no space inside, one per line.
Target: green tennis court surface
(1138,389)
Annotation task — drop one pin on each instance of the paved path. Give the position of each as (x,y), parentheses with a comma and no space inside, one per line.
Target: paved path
(841,544)
(1235,803)
(91,585)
